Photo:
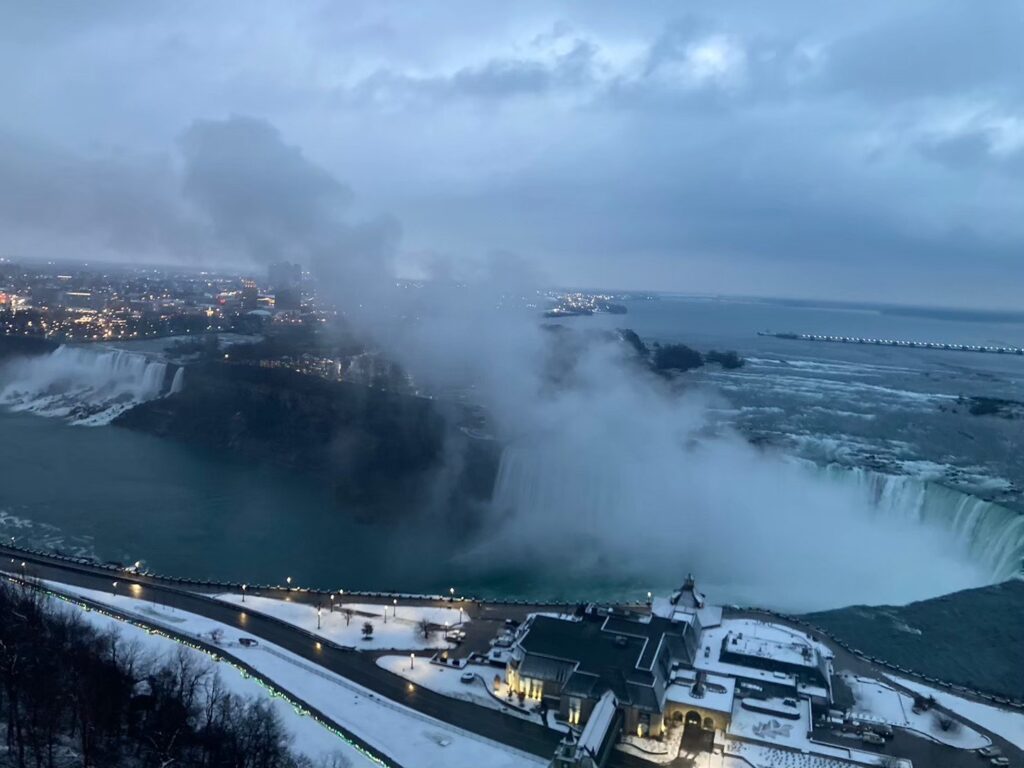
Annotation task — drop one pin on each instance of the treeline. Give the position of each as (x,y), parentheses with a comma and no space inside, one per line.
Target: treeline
(73,695)
(678,357)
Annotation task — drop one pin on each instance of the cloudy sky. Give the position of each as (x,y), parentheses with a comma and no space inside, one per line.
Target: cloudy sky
(870,150)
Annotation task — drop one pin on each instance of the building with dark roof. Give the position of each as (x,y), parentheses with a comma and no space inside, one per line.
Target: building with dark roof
(573,663)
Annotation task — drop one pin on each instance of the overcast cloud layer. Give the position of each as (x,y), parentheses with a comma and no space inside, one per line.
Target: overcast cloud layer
(864,151)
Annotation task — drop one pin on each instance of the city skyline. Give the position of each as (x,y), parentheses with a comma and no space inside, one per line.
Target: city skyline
(796,153)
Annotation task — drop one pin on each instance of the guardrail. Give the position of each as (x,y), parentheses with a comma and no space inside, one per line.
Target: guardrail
(218,654)
(163,582)
(1004,701)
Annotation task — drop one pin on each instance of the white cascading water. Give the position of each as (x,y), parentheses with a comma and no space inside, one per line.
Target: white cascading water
(87,385)
(992,534)
(758,530)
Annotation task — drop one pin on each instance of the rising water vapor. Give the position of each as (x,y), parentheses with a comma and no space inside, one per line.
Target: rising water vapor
(609,472)
(87,385)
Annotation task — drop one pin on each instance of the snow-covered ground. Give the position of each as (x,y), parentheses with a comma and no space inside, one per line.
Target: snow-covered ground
(1009,725)
(308,736)
(877,700)
(448,682)
(789,734)
(407,736)
(399,631)
(740,754)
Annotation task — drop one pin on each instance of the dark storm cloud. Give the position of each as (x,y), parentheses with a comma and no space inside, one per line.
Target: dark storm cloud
(263,196)
(727,148)
(124,205)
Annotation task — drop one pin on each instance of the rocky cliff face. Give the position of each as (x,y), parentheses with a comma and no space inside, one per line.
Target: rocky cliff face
(385,455)
(14,346)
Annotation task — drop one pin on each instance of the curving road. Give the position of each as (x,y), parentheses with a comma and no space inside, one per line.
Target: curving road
(357,667)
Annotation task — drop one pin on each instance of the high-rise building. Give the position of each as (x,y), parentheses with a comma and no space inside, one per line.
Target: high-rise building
(250,296)
(284,275)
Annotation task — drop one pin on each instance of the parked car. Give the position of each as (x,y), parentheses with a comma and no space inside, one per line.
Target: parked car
(248,642)
(990,751)
(1000,761)
(467,677)
(870,737)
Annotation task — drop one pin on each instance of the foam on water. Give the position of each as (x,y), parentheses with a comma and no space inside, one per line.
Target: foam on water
(778,532)
(87,385)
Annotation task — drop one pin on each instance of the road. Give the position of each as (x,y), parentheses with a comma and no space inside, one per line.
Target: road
(922,751)
(357,667)
(360,668)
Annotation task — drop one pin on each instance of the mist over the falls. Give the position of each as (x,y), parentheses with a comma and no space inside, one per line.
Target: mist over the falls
(87,385)
(608,472)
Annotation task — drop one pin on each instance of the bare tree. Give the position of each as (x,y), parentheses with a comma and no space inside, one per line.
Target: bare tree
(425,627)
(348,615)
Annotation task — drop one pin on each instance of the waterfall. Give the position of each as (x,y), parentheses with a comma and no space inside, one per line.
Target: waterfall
(992,534)
(88,385)
(179,381)
(758,529)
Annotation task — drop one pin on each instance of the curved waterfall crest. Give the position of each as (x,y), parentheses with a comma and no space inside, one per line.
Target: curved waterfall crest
(991,533)
(88,385)
(756,526)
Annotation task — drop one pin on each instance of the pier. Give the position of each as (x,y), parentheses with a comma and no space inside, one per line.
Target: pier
(948,347)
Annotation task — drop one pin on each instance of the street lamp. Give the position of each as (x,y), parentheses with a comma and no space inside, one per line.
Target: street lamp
(451,591)
(319,611)
(649,598)
(113,590)
(394,610)
(332,603)
(289,580)
(243,592)
(412,660)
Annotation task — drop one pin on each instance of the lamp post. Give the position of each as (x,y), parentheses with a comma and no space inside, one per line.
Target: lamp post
(288,580)
(113,588)
(412,660)
(319,611)
(243,592)
(394,609)
(451,593)
(649,598)
(332,603)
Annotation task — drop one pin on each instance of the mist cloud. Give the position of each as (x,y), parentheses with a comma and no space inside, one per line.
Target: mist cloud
(736,149)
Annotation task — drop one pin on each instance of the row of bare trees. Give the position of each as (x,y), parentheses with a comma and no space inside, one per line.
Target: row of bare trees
(74,695)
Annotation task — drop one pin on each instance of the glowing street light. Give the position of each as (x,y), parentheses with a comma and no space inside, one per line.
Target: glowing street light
(394,610)
(289,580)
(412,660)
(113,588)
(244,587)
(332,603)
(319,612)
(451,592)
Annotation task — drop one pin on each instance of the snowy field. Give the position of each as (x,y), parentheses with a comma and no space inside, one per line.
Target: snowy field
(407,736)
(789,734)
(877,700)
(447,681)
(399,631)
(1009,725)
(743,755)
(308,736)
